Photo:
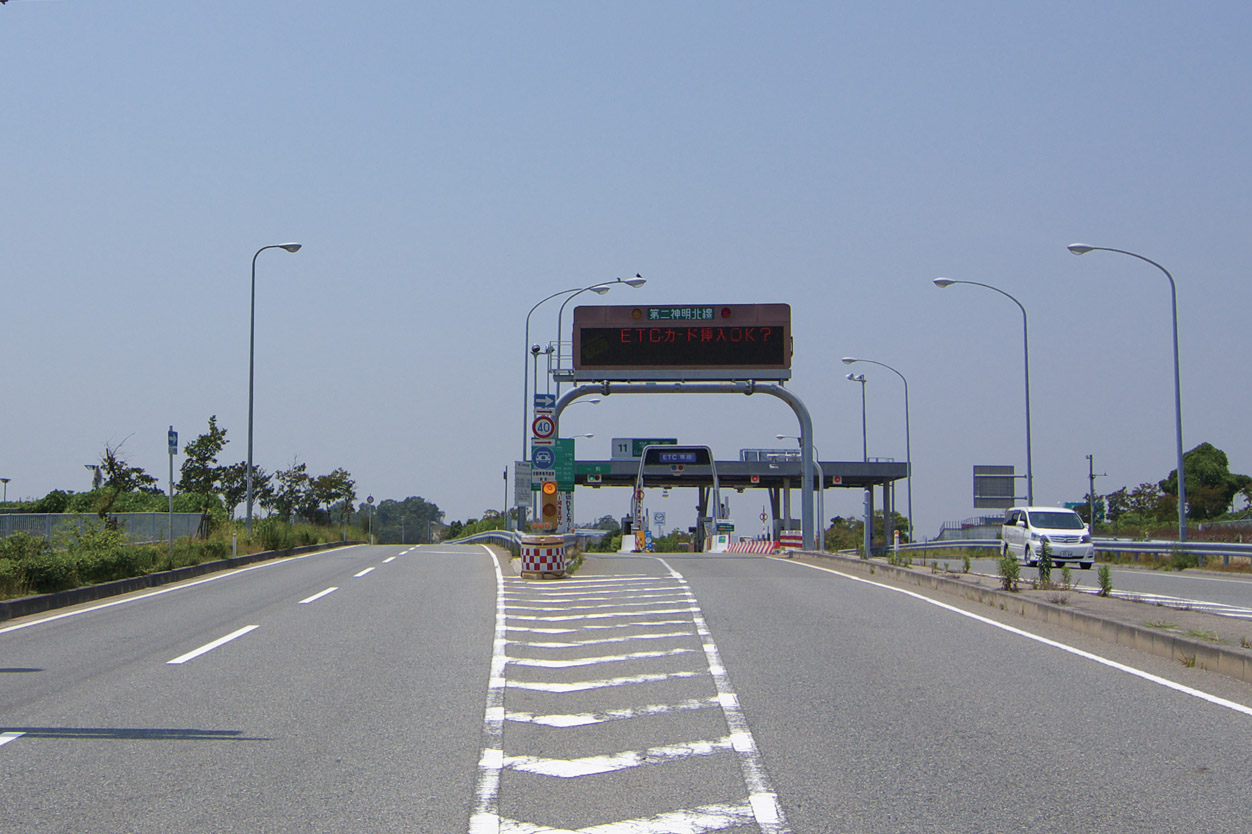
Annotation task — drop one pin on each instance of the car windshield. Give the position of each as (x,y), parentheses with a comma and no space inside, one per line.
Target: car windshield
(1056,521)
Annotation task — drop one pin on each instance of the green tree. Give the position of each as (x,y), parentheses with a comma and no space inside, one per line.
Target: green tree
(1211,486)
(337,487)
(233,485)
(200,472)
(406,522)
(121,478)
(289,493)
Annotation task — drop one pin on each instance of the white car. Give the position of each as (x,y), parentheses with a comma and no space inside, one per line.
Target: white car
(1027,529)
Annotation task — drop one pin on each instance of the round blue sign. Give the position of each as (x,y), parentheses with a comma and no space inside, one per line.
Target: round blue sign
(543,457)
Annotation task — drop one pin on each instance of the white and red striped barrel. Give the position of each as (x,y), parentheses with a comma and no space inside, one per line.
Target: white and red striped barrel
(543,557)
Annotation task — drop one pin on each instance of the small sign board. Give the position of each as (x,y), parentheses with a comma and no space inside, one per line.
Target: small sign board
(631,448)
(564,463)
(995,487)
(521,482)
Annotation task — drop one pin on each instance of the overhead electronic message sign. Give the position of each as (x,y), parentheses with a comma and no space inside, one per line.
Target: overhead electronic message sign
(684,342)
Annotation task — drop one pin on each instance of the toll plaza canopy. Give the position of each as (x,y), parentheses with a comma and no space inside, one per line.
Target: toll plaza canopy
(741,474)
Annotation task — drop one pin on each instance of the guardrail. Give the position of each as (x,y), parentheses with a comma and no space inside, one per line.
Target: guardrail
(1156,548)
(506,538)
(511,539)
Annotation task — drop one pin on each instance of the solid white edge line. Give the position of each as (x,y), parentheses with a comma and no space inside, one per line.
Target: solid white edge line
(171,588)
(1112,664)
(766,807)
(485,818)
(221,641)
(318,596)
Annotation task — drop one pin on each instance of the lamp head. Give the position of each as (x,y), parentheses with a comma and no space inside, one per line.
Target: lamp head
(534,349)
(848,360)
(944,282)
(1080,248)
(600,290)
(290,247)
(637,281)
(856,377)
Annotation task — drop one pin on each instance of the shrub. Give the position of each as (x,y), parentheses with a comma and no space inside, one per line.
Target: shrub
(1010,572)
(50,571)
(1106,580)
(1045,566)
(12,579)
(22,546)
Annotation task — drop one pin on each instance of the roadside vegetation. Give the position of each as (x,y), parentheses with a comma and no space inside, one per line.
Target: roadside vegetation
(300,509)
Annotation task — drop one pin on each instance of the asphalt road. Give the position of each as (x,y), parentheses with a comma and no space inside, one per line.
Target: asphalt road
(435,691)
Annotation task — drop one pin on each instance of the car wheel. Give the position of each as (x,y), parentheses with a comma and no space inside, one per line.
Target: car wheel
(1086,565)
(1031,562)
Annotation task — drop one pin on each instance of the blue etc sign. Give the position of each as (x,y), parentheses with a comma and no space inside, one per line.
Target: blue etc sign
(543,457)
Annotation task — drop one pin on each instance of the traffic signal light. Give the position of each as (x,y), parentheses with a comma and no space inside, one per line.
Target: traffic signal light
(549,509)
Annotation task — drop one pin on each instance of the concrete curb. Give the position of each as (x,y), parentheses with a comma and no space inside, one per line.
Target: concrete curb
(1204,655)
(24,606)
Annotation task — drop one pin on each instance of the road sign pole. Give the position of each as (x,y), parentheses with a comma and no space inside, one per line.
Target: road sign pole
(173,449)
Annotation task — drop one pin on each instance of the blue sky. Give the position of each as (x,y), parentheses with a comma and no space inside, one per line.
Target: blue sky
(448,165)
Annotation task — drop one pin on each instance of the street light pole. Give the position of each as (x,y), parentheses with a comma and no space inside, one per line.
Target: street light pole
(1082,249)
(864,435)
(636,282)
(1030,472)
(908,453)
(290,247)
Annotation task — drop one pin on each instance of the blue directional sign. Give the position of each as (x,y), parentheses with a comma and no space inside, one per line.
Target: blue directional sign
(547,401)
(543,457)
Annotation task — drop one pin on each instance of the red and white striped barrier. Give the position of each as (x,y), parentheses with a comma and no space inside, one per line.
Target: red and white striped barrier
(792,538)
(764,547)
(543,557)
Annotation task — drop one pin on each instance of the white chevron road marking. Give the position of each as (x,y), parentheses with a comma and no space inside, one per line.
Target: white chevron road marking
(579,644)
(588,718)
(700,820)
(584,686)
(594,661)
(591,765)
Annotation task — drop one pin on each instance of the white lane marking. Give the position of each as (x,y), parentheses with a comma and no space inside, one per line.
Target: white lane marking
(389,559)
(1112,664)
(581,644)
(5,738)
(588,718)
(647,590)
(221,641)
(593,661)
(593,765)
(607,596)
(611,627)
(318,596)
(612,606)
(169,589)
(700,820)
(585,686)
(485,818)
(362,573)
(563,618)
(766,808)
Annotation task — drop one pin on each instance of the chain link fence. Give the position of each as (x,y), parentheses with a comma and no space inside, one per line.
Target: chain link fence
(140,528)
